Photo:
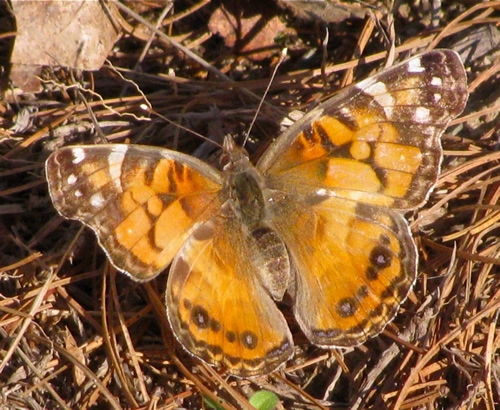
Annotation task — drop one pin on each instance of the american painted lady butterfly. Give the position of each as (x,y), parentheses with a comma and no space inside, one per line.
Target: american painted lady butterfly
(319,217)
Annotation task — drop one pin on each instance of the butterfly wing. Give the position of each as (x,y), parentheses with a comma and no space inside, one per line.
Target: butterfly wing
(217,306)
(377,141)
(142,202)
(343,171)
(355,265)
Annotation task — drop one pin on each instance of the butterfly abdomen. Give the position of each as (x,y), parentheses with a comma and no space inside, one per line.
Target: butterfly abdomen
(273,261)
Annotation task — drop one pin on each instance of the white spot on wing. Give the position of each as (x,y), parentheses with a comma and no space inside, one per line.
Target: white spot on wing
(71,179)
(380,94)
(415,66)
(115,161)
(375,89)
(366,83)
(436,97)
(422,114)
(97,200)
(437,81)
(119,148)
(346,112)
(78,155)
(78,193)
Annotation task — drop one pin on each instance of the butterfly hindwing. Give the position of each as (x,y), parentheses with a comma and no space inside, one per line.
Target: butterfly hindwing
(218,308)
(354,263)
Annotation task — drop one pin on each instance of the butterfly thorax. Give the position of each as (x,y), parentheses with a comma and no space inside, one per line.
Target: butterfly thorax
(243,185)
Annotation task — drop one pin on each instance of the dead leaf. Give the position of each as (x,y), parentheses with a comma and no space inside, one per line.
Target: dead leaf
(76,34)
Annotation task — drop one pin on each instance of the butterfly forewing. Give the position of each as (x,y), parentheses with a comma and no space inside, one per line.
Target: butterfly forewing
(377,141)
(141,202)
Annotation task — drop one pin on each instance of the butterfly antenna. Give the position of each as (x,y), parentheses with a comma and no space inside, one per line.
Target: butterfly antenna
(179,126)
(282,57)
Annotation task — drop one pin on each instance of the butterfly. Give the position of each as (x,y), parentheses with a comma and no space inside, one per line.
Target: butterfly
(319,218)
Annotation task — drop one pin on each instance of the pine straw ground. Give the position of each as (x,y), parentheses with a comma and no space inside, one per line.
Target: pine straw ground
(75,334)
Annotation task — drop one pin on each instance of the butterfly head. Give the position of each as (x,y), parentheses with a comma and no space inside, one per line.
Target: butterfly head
(234,159)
